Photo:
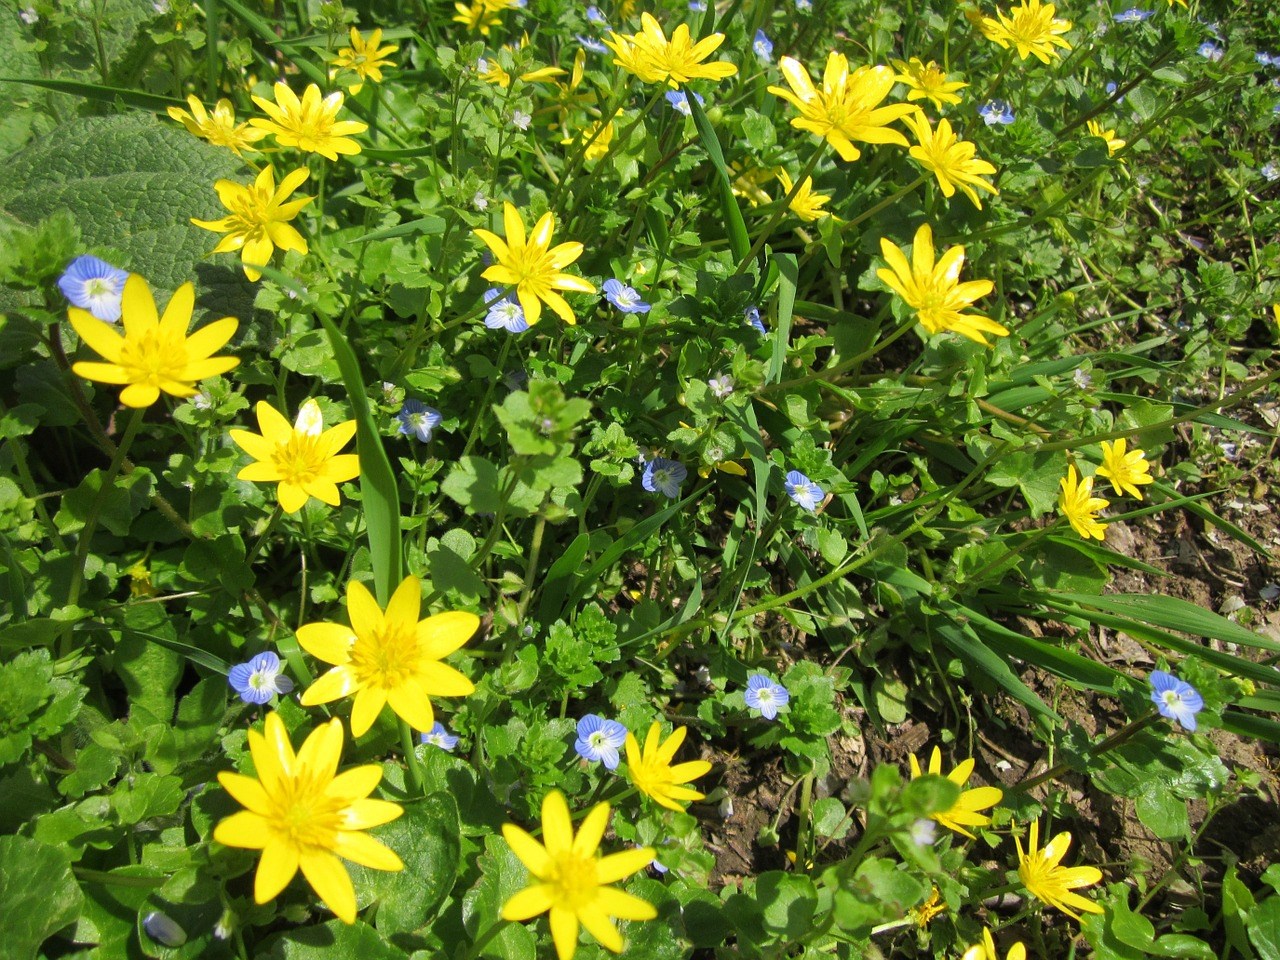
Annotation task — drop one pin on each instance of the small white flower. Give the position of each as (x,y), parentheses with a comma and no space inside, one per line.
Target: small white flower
(202,400)
(726,808)
(924,832)
(721,386)
(1081,379)
(29,16)
(521,120)
(480,201)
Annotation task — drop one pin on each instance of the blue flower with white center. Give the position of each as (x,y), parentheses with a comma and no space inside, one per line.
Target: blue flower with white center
(765,695)
(1264,59)
(752,316)
(439,736)
(996,112)
(1175,699)
(804,493)
(1132,15)
(1210,51)
(763,47)
(260,679)
(624,298)
(505,313)
(599,740)
(663,476)
(804,6)
(418,420)
(679,101)
(94,285)
(1271,171)
(591,43)
(697,6)
(1111,89)
(595,16)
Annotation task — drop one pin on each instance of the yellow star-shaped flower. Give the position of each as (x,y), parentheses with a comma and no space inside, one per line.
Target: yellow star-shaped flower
(572,881)
(532,266)
(388,658)
(155,353)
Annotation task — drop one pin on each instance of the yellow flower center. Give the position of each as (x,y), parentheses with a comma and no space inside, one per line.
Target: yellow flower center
(299,459)
(574,881)
(153,358)
(1030,27)
(302,814)
(387,658)
(531,264)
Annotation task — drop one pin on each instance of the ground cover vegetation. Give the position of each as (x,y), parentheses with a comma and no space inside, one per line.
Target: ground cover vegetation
(516,479)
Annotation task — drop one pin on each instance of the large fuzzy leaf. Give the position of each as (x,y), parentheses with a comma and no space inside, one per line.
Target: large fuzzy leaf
(133,183)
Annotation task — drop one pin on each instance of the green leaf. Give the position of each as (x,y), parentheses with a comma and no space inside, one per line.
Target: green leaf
(739,240)
(378,491)
(787,902)
(1172,613)
(427,839)
(473,484)
(132,182)
(1161,812)
(38,895)
(501,875)
(1264,928)
(789,277)
(334,939)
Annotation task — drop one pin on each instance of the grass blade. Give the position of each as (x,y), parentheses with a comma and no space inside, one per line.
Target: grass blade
(739,241)
(381,497)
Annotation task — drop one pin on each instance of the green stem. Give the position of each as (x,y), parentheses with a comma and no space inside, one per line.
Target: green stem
(846,365)
(1125,733)
(91,520)
(276,514)
(416,776)
(482,941)
(531,565)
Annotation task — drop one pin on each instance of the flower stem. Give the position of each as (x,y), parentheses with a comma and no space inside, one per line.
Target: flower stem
(411,758)
(274,519)
(91,520)
(482,941)
(1125,733)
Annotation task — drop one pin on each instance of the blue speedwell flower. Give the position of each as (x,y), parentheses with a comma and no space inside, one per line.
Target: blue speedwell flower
(595,16)
(995,112)
(765,695)
(1132,15)
(1175,699)
(763,46)
(439,736)
(663,476)
(1265,59)
(752,316)
(591,43)
(260,679)
(418,420)
(1210,51)
(599,740)
(94,285)
(505,313)
(1271,171)
(679,101)
(623,297)
(803,492)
